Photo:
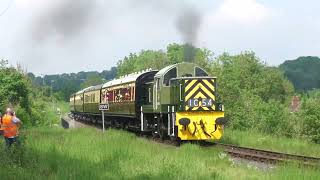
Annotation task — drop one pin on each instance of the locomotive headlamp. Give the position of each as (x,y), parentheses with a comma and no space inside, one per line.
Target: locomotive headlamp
(221,121)
(184,121)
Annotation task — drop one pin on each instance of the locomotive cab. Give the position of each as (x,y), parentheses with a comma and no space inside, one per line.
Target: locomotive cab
(162,82)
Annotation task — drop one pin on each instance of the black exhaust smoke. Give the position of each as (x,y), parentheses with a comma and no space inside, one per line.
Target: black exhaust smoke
(66,19)
(187,21)
(188,24)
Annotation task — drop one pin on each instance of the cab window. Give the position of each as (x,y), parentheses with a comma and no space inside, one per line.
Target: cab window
(200,72)
(170,74)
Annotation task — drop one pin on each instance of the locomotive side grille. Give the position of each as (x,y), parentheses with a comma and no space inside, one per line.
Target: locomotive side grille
(200,95)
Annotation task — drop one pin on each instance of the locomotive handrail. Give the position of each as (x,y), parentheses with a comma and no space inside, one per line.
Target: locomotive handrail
(180,92)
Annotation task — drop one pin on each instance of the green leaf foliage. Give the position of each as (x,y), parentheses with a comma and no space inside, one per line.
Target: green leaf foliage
(303,72)
(92,80)
(14,88)
(143,60)
(255,95)
(63,85)
(310,114)
(159,59)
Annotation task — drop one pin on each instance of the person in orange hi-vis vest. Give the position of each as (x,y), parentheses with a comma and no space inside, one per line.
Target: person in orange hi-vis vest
(1,131)
(10,127)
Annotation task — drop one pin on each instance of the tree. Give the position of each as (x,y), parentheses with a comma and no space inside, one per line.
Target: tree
(14,87)
(175,53)
(63,85)
(187,53)
(92,80)
(303,72)
(109,74)
(144,60)
(310,116)
(251,90)
(158,59)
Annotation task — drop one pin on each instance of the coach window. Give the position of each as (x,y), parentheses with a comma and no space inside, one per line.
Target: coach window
(200,72)
(107,96)
(86,98)
(133,94)
(172,73)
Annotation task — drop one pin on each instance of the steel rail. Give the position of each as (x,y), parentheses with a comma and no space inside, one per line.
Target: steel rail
(268,156)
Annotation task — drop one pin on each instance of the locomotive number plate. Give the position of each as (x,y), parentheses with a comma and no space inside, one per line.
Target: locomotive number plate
(200,102)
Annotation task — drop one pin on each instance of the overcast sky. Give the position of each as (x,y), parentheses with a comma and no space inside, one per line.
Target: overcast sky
(57,36)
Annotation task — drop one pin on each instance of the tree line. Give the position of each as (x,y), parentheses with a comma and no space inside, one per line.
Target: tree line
(63,85)
(303,72)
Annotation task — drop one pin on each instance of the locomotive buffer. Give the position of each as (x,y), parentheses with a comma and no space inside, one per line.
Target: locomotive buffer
(103,107)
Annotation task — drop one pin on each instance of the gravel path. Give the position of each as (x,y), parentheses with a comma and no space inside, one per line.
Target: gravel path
(253,164)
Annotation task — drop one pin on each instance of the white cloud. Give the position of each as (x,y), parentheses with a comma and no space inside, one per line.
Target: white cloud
(241,11)
(32,4)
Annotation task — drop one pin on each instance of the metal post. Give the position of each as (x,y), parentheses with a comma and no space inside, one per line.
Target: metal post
(169,121)
(102,121)
(141,117)
(173,120)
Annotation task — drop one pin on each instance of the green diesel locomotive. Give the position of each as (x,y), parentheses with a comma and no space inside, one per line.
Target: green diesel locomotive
(177,102)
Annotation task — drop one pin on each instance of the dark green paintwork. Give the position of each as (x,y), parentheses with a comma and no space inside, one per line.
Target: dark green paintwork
(121,108)
(165,96)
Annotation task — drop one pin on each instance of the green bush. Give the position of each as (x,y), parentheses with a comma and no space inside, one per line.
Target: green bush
(255,95)
(310,114)
(14,87)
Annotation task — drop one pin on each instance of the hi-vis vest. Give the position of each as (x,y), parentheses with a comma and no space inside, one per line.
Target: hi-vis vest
(10,129)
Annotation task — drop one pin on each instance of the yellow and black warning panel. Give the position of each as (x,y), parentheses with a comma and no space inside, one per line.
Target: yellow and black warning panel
(199,94)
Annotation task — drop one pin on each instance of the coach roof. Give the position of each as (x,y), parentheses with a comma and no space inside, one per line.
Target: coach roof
(81,91)
(92,88)
(126,79)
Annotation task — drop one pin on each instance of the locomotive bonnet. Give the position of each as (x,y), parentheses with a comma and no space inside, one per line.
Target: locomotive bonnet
(178,102)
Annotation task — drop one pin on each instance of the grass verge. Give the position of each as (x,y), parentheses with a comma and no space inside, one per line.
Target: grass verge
(88,154)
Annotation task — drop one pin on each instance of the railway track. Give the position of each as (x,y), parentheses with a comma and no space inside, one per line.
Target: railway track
(252,154)
(268,156)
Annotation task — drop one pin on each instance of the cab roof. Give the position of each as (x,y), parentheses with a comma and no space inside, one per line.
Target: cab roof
(182,65)
(165,70)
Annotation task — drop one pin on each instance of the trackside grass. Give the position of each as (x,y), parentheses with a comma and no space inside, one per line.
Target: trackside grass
(88,154)
(51,113)
(269,142)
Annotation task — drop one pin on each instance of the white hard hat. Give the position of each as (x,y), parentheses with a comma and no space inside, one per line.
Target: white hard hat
(9,110)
